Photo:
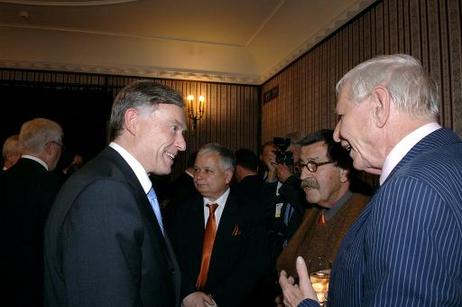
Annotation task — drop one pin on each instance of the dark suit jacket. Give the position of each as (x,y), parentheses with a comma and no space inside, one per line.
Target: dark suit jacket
(27,191)
(238,256)
(405,249)
(103,245)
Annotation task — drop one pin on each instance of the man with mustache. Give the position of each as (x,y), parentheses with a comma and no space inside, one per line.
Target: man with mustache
(405,248)
(326,178)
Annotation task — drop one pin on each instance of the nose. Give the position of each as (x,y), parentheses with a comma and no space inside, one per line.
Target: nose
(305,173)
(181,143)
(336,135)
(197,174)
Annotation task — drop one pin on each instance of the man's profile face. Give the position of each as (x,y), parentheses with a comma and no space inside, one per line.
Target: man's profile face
(355,130)
(159,137)
(210,178)
(323,186)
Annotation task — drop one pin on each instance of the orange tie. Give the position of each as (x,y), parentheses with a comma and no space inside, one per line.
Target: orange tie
(322,218)
(209,238)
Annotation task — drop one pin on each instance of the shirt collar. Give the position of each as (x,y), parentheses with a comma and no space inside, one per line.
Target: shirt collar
(221,201)
(329,213)
(43,163)
(404,146)
(135,165)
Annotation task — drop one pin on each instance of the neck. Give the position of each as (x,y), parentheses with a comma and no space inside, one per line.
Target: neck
(336,196)
(399,128)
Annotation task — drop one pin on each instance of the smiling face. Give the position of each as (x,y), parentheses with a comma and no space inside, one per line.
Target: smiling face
(158,136)
(210,177)
(328,184)
(356,131)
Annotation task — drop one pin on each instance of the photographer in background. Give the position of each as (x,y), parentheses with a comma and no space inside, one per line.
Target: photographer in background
(283,185)
(286,201)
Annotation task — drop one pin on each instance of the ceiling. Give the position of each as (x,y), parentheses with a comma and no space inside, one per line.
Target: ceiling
(235,41)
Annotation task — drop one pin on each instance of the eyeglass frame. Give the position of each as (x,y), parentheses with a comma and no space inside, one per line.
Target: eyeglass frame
(314,165)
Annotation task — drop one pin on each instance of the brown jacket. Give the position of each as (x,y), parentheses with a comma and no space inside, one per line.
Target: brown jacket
(313,239)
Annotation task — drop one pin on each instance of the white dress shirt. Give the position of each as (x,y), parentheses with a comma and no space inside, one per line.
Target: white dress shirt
(221,202)
(43,163)
(135,165)
(402,148)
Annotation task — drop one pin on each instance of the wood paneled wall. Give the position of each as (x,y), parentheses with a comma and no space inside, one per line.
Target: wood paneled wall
(430,30)
(231,116)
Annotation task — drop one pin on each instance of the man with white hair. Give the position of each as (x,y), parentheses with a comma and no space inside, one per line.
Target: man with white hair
(405,249)
(27,191)
(11,151)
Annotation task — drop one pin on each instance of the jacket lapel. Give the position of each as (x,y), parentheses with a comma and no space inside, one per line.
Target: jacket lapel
(436,139)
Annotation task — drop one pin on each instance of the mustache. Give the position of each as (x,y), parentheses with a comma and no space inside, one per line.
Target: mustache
(309,183)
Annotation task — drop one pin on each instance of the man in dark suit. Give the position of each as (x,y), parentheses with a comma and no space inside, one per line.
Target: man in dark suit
(220,268)
(247,180)
(405,249)
(27,191)
(104,241)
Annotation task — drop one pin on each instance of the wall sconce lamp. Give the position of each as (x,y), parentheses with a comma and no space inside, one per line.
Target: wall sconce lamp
(195,109)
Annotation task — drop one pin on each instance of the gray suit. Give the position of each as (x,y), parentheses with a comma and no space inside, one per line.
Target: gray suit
(103,245)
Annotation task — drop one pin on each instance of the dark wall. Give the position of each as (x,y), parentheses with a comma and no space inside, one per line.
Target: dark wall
(81,104)
(430,30)
(82,112)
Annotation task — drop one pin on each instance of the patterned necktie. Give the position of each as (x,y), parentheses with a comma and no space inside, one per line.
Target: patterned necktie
(155,206)
(209,239)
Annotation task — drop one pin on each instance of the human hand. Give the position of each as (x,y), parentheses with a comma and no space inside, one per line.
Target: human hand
(279,300)
(269,159)
(293,293)
(283,172)
(198,299)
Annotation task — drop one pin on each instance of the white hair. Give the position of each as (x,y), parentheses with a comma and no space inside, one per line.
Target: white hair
(410,87)
(37,132)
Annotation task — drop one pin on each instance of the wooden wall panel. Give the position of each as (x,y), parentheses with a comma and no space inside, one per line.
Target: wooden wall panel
(430,30)
(231,117)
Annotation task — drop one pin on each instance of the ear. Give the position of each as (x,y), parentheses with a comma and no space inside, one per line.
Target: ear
(131,120)
(344,175)
(381,101)
(228,175)
(48,148)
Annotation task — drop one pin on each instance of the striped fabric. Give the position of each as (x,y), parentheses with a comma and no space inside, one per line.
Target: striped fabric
(406,247)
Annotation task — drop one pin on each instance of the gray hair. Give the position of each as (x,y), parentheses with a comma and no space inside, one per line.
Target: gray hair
(11,146)
(228,161)
(411,88)
(36,133)
(141,95)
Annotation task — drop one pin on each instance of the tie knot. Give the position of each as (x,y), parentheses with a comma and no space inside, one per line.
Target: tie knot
(212,208)
(151,194)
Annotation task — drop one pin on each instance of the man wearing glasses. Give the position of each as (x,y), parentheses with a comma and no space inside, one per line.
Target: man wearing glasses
(328,181)
(27,191)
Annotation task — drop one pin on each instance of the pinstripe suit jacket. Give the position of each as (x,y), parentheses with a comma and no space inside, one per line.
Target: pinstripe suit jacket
(406,247)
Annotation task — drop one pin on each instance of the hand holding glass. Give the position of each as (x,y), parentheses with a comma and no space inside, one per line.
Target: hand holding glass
(319,270)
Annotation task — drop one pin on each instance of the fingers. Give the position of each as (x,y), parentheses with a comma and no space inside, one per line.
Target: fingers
(302,271)
(209,299)
(283,279)
(291,280)
(304,280)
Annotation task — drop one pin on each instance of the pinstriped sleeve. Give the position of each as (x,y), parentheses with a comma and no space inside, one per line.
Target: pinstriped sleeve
(308,303)
(413,246)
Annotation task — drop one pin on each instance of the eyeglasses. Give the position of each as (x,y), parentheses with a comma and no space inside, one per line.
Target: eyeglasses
(313,166)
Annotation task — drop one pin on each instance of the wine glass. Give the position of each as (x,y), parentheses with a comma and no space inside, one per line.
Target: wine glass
(319,269)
